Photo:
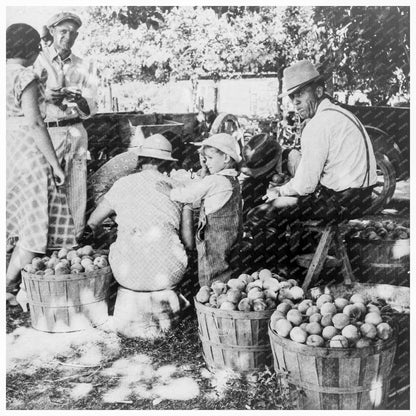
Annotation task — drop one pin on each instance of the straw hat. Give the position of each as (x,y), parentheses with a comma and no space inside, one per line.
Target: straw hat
(298,75)
(224,142)
(156,146)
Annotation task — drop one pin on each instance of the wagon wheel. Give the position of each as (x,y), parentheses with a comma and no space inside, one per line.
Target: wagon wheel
(386,184)
(225,123)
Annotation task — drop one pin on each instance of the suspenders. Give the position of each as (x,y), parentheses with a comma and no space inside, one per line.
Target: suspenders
(357,123)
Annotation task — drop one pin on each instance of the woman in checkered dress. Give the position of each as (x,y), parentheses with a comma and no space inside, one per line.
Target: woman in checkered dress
(37,214)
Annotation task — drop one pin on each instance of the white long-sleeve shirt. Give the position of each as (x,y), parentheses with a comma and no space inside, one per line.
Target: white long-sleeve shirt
(214,189)
(333,154)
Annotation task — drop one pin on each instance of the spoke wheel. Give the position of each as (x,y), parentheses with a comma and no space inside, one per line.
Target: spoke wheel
(385,186)
(225,123)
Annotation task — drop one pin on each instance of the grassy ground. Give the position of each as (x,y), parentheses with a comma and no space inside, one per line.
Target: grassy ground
(128,374)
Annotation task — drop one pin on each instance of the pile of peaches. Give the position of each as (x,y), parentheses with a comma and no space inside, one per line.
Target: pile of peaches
(68,261)
(378,230)
(259,291)
(343,322)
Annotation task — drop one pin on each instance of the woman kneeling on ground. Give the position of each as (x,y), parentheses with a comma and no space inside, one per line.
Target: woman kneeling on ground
(148,258)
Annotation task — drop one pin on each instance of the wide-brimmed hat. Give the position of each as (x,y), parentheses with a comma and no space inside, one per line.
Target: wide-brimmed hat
(224,142)
(261,155)
(156,146)
(61,17)
(298,75)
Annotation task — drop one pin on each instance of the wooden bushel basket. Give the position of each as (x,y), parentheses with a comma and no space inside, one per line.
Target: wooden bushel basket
(69,302)
(343,378)
(234,340)
(380,261)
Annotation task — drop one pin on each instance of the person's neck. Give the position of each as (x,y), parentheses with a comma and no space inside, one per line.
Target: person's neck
(149,167)
(63,54)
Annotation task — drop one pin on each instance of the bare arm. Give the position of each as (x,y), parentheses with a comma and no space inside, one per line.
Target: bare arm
(100,213)
(39,131)
(187,227)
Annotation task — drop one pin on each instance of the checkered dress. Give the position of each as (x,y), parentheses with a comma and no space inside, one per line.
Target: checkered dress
(37,214)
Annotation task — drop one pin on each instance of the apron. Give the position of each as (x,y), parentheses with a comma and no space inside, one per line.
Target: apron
(218,237)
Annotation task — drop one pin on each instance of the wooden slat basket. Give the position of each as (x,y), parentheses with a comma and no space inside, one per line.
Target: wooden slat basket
(234,340)
(69,302)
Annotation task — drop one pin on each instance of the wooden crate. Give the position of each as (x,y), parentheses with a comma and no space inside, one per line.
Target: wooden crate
(234,340)
(70,302)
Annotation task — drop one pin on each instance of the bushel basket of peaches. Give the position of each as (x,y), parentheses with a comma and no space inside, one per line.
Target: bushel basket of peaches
(233,319)
(337,346)
(67,290)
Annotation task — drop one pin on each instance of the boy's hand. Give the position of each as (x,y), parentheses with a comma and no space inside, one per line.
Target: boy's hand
(271,194)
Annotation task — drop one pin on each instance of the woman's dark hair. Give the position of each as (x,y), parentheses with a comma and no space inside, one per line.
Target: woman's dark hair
(162,165)
(22,41)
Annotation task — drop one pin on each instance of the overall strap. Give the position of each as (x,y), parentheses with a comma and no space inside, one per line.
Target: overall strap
(357,123)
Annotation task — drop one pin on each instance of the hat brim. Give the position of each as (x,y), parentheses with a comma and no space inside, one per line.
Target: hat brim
(256,172)
(297,87)
(153,154)
(71,19)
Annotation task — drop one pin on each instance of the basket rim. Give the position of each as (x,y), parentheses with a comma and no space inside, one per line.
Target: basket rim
(63,277)
(351,352)
(233,314)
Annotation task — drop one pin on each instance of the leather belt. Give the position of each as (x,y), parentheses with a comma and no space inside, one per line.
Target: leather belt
(63,123)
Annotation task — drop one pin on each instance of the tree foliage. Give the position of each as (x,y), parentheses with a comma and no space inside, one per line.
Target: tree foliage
(366,47)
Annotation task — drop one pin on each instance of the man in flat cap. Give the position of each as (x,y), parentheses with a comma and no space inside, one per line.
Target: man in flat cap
(70,93)
(337,169)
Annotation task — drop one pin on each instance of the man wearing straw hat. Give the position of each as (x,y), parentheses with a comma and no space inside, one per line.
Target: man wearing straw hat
(70,97)
(337,169)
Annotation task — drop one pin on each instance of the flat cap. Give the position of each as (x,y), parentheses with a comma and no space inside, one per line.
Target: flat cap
(62,16)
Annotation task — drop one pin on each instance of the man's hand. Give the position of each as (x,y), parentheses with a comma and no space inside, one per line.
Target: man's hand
(271,194)
(54,95)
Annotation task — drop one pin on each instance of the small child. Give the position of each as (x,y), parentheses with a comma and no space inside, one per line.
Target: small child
(220,220)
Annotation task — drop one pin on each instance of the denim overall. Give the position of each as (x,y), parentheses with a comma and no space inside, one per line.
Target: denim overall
(218,237)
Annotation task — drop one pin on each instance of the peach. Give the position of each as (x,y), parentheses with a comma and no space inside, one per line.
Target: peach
(234,295)
(340,320)
(29,268)
(323,299)
(311,310)
(328,308)
(350,332)
(372,308)
(285,285)
(78,267)
(77,259)
(236,284)
(276,315)
(315,317)
(271,284)
(255,293)
(353,311)
(61,268)
(255,275)
(71,254)
(314,328)
(326,320)
(361,307)
(289,302)
(363,343)
(329,332)
(368,331)
(221,299)
(265,273)
(373,318)
(203,294)
(87,250)
(270,304)
(294,316)
(338,341)
(38,264)
(243,295)
(292,282)
(283,307)
(315,340)
(244,277)
(213,300)
(49,272)
(255,283)
(259,305)
(357,298)
(384,331)
(296,293)
(270,294)
(282,327)
(53,261)
(244,305)
(285,294)
(218,287)
(86,263)
(298,335)
(101,262)
(303,325)
(341,303)
(62,253)
(304,305)
(228,306)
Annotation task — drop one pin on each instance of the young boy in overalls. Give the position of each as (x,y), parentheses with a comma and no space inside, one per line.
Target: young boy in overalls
(220,219)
